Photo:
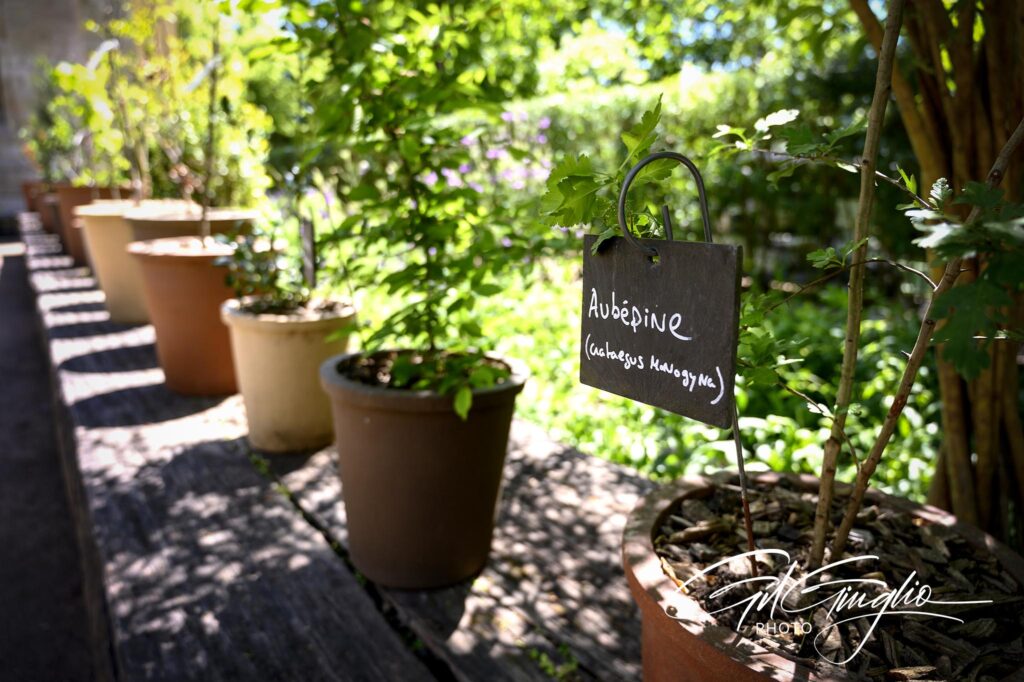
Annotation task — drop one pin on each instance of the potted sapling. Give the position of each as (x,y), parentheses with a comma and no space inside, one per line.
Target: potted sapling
(422,413)
(183,289)
(830,581)
(280,335)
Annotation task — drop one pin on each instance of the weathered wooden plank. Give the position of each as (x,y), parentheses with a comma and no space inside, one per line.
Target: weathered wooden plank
(209,573)
(554,583)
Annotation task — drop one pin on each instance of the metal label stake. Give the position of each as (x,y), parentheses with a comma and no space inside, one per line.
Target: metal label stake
(661,321)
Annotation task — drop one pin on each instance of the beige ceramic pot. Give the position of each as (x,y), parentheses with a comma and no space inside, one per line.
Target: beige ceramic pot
(277,362)
(184,291)
(107,235)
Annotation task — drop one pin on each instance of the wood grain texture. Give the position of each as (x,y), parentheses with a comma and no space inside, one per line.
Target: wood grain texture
(209,572)
(554,583)
(205,571)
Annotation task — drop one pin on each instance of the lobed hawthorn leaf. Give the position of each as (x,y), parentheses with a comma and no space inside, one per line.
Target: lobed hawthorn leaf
(640,137)
(972,315)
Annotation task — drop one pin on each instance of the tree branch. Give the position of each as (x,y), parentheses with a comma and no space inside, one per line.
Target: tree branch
(949,275)
(876,117)
(922,126)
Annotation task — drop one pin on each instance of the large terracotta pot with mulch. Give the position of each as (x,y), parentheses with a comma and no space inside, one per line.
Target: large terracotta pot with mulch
(107,235)
(69,198)
(681,640)
(184,291)
(420,485)
(277,355)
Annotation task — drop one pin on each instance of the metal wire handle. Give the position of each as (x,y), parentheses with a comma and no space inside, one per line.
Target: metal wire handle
(666,217)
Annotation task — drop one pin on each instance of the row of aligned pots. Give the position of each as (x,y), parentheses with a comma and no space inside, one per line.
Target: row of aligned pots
(441,474)
(153,266)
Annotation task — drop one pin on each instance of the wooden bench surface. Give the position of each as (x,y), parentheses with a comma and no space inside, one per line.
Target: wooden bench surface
(205,565)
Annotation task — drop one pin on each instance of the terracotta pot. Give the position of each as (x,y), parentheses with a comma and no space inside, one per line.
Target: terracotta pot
(49,213)
(183,291)
(107,235)
(420,484)
(31,190)
(68,198)
(693,641)
(277,361)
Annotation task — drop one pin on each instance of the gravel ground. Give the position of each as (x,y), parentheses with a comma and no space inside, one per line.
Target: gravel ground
(42,617)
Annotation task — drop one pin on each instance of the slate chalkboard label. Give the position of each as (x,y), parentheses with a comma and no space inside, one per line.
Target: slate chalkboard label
(663,331)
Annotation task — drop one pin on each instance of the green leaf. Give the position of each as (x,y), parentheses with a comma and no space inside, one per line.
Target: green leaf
(488,289)
(941,193)
(776,118)
(908,180)
(823,258)
(854,128)
(936,234)
(800,141)
(972,314)
(603,237)
(979,194)
(640,137)
(463,401)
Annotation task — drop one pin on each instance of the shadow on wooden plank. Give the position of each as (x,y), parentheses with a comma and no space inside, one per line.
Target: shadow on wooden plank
(126,359)
(138,405)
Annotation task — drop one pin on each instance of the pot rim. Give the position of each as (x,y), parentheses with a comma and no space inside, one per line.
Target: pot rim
(176,214)
(117,208)
(189,247)
(642,565)
(232,314)
(348,390)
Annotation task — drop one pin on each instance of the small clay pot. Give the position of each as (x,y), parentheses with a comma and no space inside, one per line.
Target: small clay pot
(277,361)
(692,640)
(184,291)
(49,212)
(420,484)
(106,235)
(68,198)
(31,190)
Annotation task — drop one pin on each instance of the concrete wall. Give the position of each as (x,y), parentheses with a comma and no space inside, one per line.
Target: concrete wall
(31,30)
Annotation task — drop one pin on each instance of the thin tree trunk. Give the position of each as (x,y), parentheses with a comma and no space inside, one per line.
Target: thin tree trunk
(952,271)
(855,303)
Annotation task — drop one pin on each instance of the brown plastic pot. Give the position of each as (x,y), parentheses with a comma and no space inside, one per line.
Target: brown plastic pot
(68,198)
(420,485)
(31,190)
(692,645)
(184,291)
(277,361)
(49,213)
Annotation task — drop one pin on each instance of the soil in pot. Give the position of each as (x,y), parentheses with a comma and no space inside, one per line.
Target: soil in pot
(420,485)
(277,355)
(70,197)
(184,290)
(107,235)
(915,546)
